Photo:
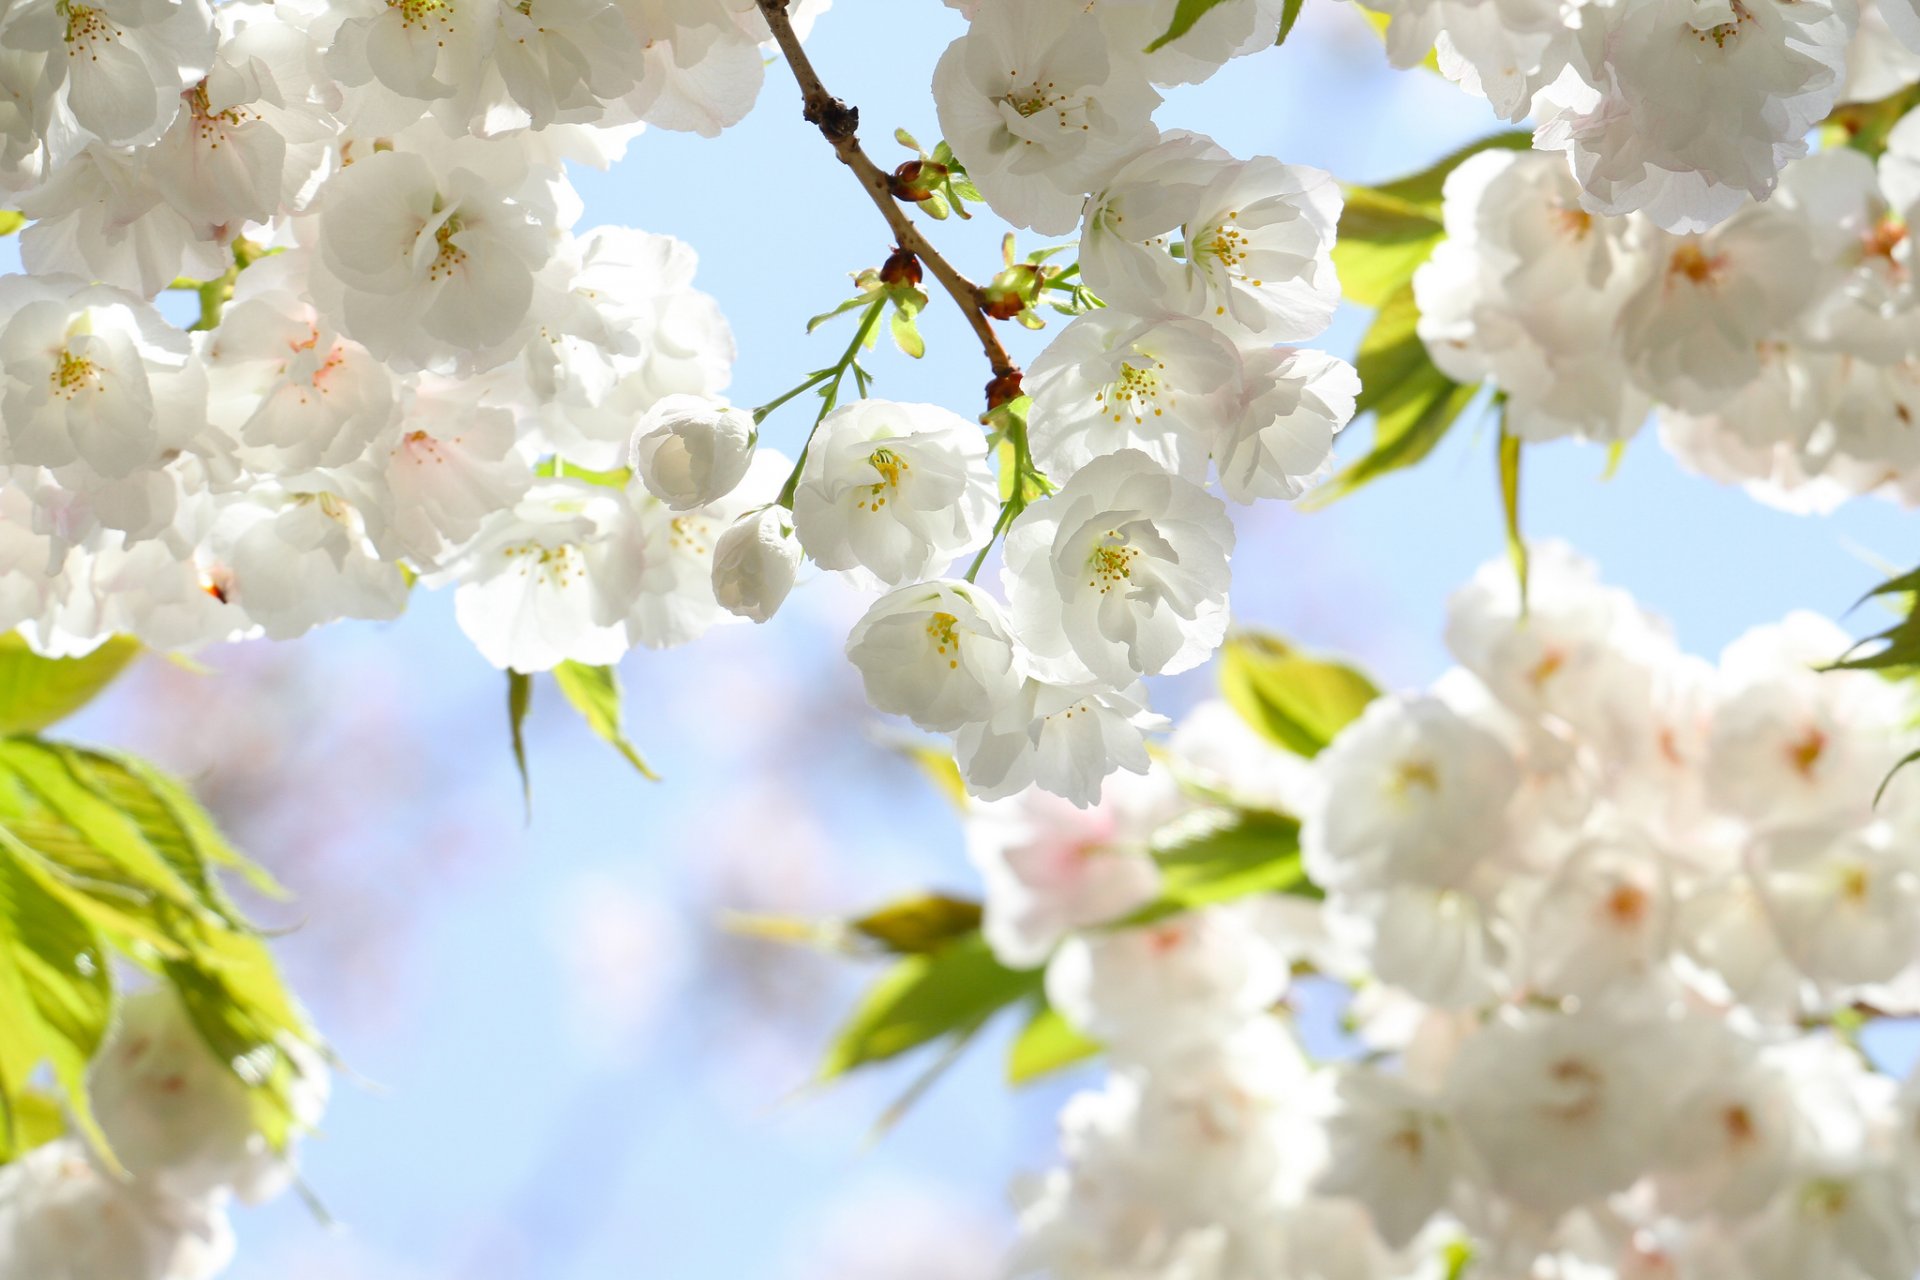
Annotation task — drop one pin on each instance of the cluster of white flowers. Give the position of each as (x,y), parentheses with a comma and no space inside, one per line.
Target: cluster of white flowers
(181,1126)
(1782,347)
(414,333)
(1205,262)
(1609,911)
(1680,109)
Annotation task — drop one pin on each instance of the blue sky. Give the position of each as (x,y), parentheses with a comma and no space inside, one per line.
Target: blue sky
(567,1073)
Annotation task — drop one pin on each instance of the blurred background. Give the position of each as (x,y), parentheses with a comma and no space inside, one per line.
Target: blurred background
(566,1070)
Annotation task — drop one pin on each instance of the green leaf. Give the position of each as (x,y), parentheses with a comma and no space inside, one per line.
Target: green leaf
(117,850)
(1887,781)
(1185,14)
(937,763)
(1383,240)
(1295,701)
(1289,14)
(906,334)
(519,698)
(1864,126)
(1413,403)
(1895,651)
(595,693)
(923,998)
(1426,187)
(11,220)
(37,1119)
(920,924)
(1048,1043)
(1387,231)
(57,962)
(1510,508)
(1218,855)
(36,692)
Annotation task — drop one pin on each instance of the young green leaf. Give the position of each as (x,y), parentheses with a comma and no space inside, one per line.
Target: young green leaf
(1185,14)
(595,693)
(519,698)
(1295,701)
(1510,508)
(1219,855)
(924,998)
(1289,14)
(920,924)
(36,692)
(1048,1043)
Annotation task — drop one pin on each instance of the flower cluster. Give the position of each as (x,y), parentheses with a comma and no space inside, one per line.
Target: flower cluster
(1782,346)
(1680,109)
(404,352)
(1609,912)
(1204,262)
(181,1127)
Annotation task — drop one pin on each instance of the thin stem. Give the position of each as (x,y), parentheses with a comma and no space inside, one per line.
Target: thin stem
(839,124)
(830,394)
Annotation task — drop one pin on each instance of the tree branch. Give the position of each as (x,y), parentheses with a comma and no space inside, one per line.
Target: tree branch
(839,124)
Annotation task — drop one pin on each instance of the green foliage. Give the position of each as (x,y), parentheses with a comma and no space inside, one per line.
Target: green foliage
(1185,14)
(34,1119)
(1509,448)
(1218,855)
(1048,1043)
(1413,403)
(1895,650)
(519,699)
(1295,701)
(919,925)
(1289,14)
(35,692)
(595,693)
(103,855)
(1386,233)
(1865,126)
(11,220)
(1383,240)
(947,994)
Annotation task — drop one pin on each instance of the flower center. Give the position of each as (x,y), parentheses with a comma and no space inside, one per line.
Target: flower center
(940,630)
(889,466)
(74,374)
(84,26)
(1111,562)
(558,564)
(1804,752)
(450,256)
(1135,390)
(1691,262)
(422,13)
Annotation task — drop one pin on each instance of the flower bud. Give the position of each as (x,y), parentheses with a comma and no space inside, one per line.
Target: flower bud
(917,180)
(1011,292)
(690,451)
(900,268)
(754,562)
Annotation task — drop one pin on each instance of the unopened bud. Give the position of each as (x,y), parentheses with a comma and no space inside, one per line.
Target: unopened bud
(900,268)
(1004,389)
(1011,292)
(917,180)
(690,451)
(754,563)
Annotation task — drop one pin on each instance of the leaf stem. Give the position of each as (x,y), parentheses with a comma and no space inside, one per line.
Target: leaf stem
(830,393)
(839,125)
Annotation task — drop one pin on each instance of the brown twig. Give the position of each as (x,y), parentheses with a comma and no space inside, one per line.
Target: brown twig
(839,124)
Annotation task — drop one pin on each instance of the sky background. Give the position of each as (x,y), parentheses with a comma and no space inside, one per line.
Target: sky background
(564,1070)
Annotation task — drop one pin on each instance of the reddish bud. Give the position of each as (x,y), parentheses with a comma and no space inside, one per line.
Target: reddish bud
(917,180)
(1004,389)
(900,268)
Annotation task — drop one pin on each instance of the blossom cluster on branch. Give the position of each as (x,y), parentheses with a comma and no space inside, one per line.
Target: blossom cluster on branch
(1609,913)
(1782,346)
